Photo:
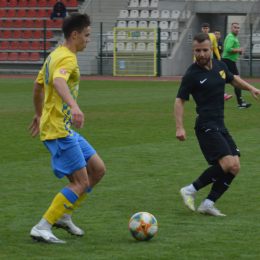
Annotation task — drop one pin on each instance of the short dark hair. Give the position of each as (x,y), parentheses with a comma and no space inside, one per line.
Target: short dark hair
(205,25)
(201,37)
(217,30)
(74,22)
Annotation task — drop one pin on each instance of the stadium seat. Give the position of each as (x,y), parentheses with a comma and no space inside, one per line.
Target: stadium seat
(7,34)
(174,25)
(73,3)
(1,23)
(155,14)
(13,56)
(256,51)
(150,47)
(185,15)
(144,3)
(175,14)
(25,45)
(110,35)
(28,24)
(11,13)
(153,24)
(121,24)
(49,23)
(8,23)
(140,46)
(123,14)
(48,14)
(34,56)
(12,3)
(143,36)
(154,3)
(144,14)
(49,34)
(41,13)
(174,36)
(27,34)
(42,3)
(109,46)
(3,56)
(0,33)
(58,23)
(24,56)
(132,24)
(33,3)
(21,13)
(256,38)
(121,35)
(151,36)
(31,13)
(18,23)
(17,34)
(130,46)
(165,14)
(163,25)
(164,36)
(142,24)
(4,45)
(14,45)
(134,3)
(3,3)
(120,46)
(38,24)
(37,34)
(164,46)
(52,3)
(22,3)
(134,14)
(64,2)
(48,46)
(2,13)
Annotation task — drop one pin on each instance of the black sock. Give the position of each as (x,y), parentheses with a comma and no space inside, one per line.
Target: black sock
(220,186)
(238,93)
(208,176)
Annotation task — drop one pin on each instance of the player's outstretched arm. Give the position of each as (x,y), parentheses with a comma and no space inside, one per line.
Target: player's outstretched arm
(63,91)
(241,84)
(178,113)
(38,95)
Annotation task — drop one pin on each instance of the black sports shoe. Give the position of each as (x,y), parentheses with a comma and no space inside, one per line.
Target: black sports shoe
(244,105)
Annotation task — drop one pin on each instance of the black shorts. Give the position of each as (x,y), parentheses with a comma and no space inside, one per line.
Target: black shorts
(216,144)
(232,66)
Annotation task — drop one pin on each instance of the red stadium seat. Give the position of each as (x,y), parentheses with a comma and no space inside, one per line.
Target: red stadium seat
(0,33)
(12,3)
(13,56)
(3,56)
(14,45)
(34,56)
(41,13)
(42,3)
(25,45)
(31,13)
(64,2)
(28,24)
(37,34)
(35,46)
(49,34)
(22,3)
(2,13)
(52,3)
(21,13)
(11,13)
(24,56)
(3,3)
(27,34)
(17,34)
(49,23)
(48,46)
(18,23)
(38,24)
(8,23)
(73,3)
(48,14)
(7,34)
(58,24)
(4,45)
(1,23)
(32,3)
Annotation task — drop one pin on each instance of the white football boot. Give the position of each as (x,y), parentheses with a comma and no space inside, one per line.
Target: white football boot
(66,223)
(44,235)
(188,198)
(210,210)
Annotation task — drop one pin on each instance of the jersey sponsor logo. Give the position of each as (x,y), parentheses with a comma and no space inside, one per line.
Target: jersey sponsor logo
(63,71)
(66,206)
(222,74)
(202,81)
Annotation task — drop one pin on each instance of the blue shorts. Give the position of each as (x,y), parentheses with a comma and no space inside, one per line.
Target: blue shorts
(69,154)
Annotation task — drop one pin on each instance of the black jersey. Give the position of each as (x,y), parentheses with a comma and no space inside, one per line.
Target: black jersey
(207,88)
(220,49)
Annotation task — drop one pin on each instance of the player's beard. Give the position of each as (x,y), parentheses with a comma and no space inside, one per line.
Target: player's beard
(204,63)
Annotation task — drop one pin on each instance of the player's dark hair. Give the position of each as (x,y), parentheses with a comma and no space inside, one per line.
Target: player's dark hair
(74,22)
(201,37)
(205,25)
(234,23)
(217,30)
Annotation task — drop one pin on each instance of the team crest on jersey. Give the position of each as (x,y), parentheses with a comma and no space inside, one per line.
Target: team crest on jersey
(63,71)
(222,74)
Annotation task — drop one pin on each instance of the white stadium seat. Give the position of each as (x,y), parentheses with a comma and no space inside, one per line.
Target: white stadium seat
(144,3)
(121,35)
(134,3)
(164,35)
(120,46)
(256,38)
(185,15)
(163,25)
(132,24)
(134,14)
(165,14)
(123,14)
(175,36)
(110,35)
(174,25)
(142,24)
(109,46)
(151,36)
(121,24)
(140,46)
(143,36)
(130,46)
(256,51)
(155,14)
(154,3)
(150,47)
(144,14)
(175,14)
(164,46)
(153,24)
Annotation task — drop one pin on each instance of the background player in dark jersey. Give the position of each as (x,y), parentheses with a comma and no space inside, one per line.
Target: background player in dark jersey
(205,80)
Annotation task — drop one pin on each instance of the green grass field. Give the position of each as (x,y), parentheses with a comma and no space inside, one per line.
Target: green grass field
(132,127)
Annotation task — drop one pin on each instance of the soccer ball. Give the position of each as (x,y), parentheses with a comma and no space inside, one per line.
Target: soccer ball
(143,226)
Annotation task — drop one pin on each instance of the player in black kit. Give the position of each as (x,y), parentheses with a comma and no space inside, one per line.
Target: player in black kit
(205,80)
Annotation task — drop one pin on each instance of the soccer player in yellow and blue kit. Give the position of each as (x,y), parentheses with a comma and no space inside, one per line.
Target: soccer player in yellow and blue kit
(57,85)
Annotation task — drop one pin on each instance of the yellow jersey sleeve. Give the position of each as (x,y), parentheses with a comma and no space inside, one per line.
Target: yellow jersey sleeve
(214,44)
(40,79)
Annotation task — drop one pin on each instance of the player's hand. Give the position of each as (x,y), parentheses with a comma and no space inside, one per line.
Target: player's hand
(77,117)
(255,92)
(35,126)
(181,134)
(240,50)
(219,59)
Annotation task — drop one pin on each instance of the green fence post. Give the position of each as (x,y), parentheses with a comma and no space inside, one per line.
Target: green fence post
(159,53)
(44,52)
(101,54)
(250,56)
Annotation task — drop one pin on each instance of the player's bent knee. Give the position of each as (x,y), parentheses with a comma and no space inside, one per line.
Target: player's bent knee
(236,168)
(227,163)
